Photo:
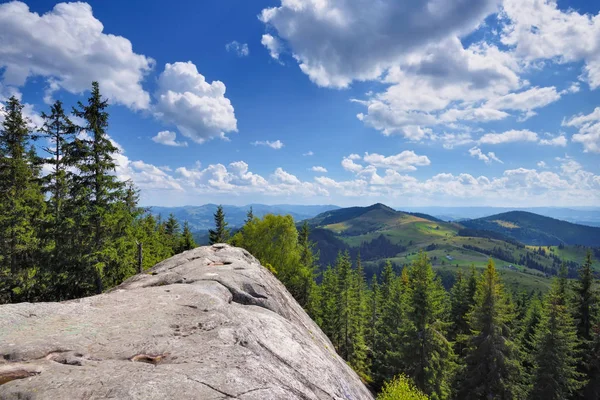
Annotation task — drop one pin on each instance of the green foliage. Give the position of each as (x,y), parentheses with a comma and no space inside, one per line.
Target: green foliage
(274,240)
(22,207)
(555,373)
(75,231)
(401,388)
(429,356)
(220,234)
(492,367)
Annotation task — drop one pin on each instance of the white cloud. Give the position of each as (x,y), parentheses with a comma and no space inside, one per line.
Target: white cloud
(349,165)
(68,47)
(487,158)
(589,130)
(272,44)
(539,30)
(197,108)
(526,100)
(542,164)
(319,169)
(239,49)
(278,144)
(405,161)
(168,139)
(308,154)
(560,141)
(338,42)
(509,137)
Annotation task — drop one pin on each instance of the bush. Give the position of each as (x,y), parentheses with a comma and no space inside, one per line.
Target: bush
(401,388)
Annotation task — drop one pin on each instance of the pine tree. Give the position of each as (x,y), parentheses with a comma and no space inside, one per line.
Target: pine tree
(555,375)
(187,241)
(492,369)
(309,260)
(249,216)
(173,233)
(59,130)
(429,355)
(388,360)
(586,317)
(22,206)
(527,335)
(461,302)
(97,189)
(372,310)
(220,234)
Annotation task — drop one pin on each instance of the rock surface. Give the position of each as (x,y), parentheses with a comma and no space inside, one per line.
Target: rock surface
(210,323)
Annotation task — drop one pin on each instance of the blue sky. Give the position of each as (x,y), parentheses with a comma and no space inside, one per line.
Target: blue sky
(480,102)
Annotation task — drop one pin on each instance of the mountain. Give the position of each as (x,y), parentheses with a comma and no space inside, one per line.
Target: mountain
(578,215)
(201,218)
(381,233)
(537,230)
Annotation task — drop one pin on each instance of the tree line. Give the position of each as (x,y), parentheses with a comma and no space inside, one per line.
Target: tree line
(405,335)
(68,226)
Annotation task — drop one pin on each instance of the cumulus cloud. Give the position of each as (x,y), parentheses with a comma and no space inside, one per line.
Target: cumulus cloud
(308,153)
(277,144)
(168,139)
(197,108)
(539,30)
(338,42)
(319,169)
(84,53)
(239,49)
(542,165)
(559,141)
(272,44)
(405,161)
(509,137)
(589,130)
(487,158)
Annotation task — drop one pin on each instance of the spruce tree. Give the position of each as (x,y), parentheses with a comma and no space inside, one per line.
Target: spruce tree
(97,189)
(527,335)
(187,241)
(220,234)
(249,216)
(308,259)
(173,233)
(555,375)
(22,206)
(388,360)
(60,131)
(429,355)
(492,366)
(586,318)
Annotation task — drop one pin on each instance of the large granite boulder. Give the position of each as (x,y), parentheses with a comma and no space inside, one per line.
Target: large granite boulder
(210,323)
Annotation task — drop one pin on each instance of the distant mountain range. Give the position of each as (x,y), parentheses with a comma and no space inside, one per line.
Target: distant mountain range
(578,215)
(201,218)
(537,230)
(524,245)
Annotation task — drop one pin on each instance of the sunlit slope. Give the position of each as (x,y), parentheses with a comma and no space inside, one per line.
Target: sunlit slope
(446,244)
(537,230)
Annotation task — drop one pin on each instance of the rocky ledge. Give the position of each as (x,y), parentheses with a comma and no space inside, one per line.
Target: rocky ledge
(210,323)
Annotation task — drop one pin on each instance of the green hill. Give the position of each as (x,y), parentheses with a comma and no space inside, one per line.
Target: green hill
(380,233)
(537,230)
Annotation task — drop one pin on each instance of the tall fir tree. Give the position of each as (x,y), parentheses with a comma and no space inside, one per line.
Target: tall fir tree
(388,360)
(527,335)
(186,241)
(429,355)
(586,314)
(97,190)
(555,375)
(60,131)
(492,366)
(221,233)
(22,207)
(309,260)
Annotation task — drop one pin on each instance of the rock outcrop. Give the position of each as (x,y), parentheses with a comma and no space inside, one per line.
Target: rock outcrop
(210,323)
